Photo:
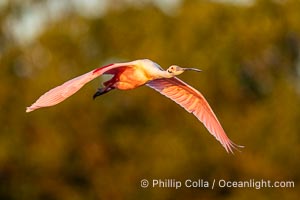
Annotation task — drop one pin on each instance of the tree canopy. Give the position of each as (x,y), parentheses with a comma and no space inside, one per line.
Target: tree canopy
(102,149)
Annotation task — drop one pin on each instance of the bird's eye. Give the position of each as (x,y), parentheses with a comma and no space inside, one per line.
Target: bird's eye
(171,69)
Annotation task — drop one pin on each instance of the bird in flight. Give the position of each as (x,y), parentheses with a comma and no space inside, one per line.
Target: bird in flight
(130,75)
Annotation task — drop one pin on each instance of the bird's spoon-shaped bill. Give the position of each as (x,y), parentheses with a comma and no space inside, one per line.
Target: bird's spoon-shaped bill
(192,69)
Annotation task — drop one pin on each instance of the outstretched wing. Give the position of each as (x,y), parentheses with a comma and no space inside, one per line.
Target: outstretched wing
(193,102)
(62,92)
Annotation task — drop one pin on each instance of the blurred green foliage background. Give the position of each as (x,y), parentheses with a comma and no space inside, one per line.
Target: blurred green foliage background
(102,149)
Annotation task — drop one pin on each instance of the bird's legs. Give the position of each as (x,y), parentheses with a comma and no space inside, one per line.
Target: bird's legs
(101,91)
(109,85)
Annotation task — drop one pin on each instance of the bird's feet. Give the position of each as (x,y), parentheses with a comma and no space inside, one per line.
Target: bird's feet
(101,91)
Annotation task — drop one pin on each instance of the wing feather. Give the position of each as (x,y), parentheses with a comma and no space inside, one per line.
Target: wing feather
(193,102)
(67,89)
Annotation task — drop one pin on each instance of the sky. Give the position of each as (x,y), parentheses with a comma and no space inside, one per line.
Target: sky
(32,19)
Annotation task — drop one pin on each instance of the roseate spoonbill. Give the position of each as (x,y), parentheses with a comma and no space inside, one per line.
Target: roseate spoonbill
(130,75)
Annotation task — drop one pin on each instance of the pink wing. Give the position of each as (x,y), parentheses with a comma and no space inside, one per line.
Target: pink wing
(194,102)
(62,92)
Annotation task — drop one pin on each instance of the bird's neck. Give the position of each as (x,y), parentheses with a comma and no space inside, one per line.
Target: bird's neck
(164,74)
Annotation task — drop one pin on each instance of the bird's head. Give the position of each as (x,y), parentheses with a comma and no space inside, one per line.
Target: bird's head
(176,70)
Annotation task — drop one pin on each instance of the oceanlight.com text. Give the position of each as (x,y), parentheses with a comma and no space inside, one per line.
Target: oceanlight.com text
(221,183)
